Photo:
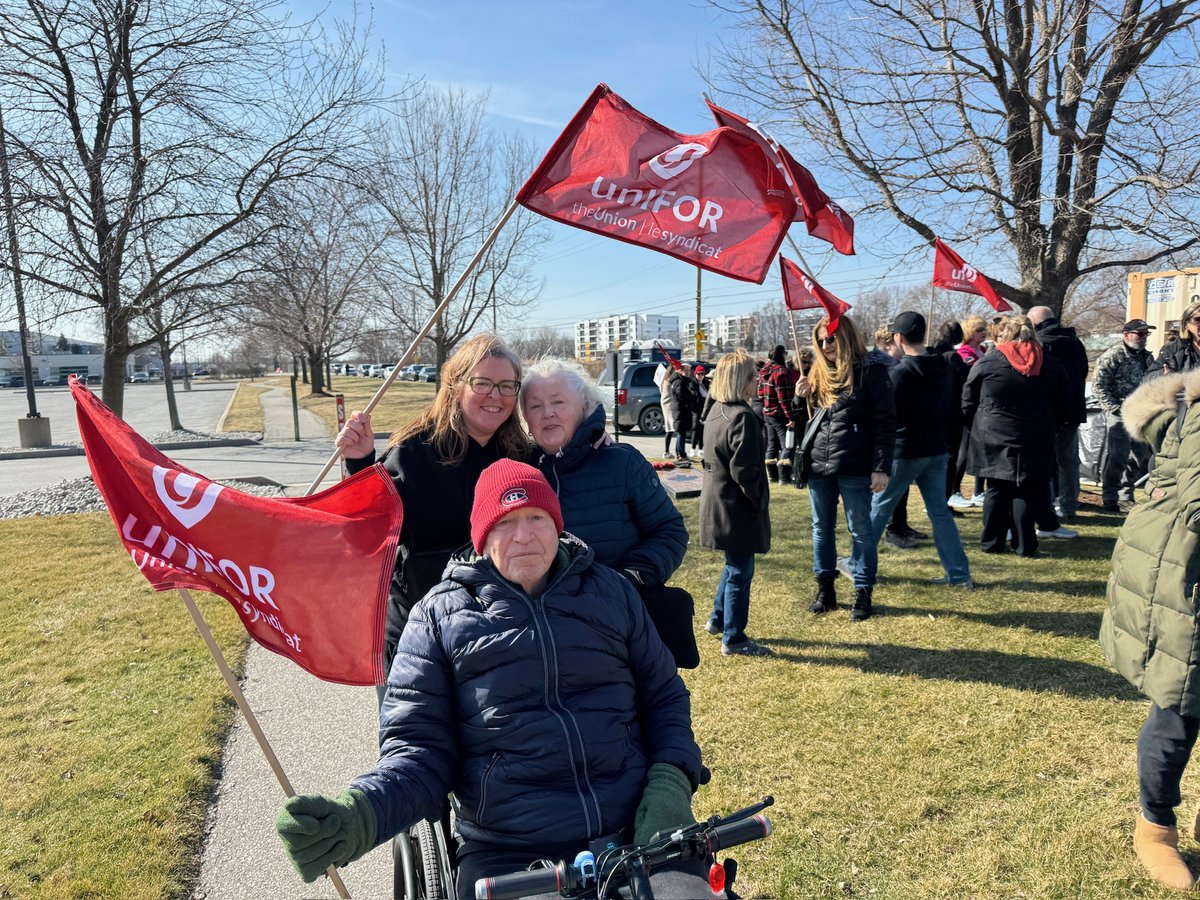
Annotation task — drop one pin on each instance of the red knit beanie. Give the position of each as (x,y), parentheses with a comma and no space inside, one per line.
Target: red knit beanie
(505,486)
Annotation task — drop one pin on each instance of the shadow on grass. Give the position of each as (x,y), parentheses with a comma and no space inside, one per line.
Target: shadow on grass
(1010,670)
(1060,624)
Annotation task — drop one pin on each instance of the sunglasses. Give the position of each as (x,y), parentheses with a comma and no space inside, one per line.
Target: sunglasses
(486,386)
(825,341)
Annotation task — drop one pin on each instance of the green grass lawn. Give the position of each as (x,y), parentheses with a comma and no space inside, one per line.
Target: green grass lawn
(959,744)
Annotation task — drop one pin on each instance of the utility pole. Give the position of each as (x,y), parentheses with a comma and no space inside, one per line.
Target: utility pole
(699,332)
(33,429)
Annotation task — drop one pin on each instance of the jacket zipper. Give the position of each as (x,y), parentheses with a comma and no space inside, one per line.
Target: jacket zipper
(483,784)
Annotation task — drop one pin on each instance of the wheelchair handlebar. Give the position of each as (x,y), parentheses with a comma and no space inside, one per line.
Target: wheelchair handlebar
(690,842)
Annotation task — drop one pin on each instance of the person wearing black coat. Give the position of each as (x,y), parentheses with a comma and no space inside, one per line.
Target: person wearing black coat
(848,454)
(436,460)
(734,499)
(1183,353)
(1013,401)
(683,396)
(1061,343)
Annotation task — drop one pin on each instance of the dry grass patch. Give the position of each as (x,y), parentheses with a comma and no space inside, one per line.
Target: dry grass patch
(402,403)
(111,720)
(245,411)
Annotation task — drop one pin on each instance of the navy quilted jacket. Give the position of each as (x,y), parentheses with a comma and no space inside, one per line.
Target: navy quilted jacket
(542,714)
(613,501)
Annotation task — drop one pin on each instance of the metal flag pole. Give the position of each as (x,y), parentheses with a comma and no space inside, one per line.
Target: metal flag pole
(428,326)
(251,719)
(929,325)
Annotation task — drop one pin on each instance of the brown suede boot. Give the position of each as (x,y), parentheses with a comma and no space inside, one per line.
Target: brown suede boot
(1157,849)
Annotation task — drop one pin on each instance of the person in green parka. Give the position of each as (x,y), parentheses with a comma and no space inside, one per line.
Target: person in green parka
(1151,628)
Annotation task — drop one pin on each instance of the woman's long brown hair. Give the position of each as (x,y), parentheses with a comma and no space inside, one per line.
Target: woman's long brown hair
(829,381)
(442,421)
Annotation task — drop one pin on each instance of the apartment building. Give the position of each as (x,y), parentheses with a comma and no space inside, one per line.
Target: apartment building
(721,334)
(595,337)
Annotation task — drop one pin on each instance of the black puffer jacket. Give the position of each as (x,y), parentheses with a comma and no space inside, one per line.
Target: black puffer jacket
(1060,343)
(615,503)
(684,398)
(1178,356)
(857,434)
(542,714)
(1013,417)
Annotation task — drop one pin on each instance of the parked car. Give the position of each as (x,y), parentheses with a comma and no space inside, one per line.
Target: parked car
(95,379)
(637,398)
(428,374)
(15,380)
(54,380)
(139,378)
(409,372)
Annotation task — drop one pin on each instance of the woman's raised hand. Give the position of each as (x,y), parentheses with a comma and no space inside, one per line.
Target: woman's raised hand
(356,439)
(803,388)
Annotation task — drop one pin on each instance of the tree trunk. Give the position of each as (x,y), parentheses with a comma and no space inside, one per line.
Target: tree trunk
(304,369)
(116,353)
(313,364)
(164,353)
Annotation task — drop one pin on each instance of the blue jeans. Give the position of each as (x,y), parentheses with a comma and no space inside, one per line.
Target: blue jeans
(1164,748)
(855,491)
(731,605)
(929,475)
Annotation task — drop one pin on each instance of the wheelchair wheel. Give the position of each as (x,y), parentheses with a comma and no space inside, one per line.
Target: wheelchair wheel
(423,864)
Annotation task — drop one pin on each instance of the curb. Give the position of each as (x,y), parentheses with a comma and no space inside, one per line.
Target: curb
(228,406)
(170,445)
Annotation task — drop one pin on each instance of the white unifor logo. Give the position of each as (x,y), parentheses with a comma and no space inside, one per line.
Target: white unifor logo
(178,494)
(516,495)
(677,160)
(966,273)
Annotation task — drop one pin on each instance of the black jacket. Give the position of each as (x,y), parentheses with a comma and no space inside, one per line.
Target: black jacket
(1013,418)
(733,499)
(1178,355)
(857,435)
(1061,343)
(959,370)
(437,519)
(924,394)
(542,714)
(683,395)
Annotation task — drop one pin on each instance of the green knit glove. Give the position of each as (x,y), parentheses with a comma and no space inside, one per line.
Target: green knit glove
(666,802)
(319,832)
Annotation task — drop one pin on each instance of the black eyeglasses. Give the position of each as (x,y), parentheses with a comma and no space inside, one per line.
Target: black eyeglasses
(1195,320)
(825,341)
(486,386)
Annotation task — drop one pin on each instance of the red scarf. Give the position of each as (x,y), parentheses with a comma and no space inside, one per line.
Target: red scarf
(1025,356)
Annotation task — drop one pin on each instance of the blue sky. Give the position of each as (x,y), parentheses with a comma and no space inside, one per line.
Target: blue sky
(539,60)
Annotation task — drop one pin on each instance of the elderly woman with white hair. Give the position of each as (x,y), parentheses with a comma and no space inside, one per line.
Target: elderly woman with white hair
(611,497)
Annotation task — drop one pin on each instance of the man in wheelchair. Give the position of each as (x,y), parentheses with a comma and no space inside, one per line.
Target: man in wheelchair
(531,683)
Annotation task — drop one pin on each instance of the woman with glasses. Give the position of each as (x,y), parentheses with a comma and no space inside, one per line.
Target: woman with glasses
(1183,353)
(848,454)
(435,462)
(611,497)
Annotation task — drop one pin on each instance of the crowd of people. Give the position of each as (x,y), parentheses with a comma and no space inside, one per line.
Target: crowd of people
(532,638)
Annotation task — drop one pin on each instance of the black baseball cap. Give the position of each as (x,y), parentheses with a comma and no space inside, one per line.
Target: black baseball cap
(909,325)
(1138,325)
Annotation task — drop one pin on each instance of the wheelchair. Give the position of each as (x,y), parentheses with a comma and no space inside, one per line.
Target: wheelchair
(423,863)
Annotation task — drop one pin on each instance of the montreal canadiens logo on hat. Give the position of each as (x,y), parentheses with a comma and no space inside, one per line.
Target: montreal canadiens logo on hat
(516,495)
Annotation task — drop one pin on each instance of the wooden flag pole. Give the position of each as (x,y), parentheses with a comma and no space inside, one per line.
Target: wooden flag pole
(803,261)
(251,720)
(929,325)
(795,336)
(421,335)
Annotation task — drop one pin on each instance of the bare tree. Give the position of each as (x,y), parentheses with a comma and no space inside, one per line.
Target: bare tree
(320,274)
(177,121)
(534,343)
(445,178)
(1052,131)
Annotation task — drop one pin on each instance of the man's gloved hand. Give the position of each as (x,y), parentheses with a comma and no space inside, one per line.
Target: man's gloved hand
(666,802)
(319,832)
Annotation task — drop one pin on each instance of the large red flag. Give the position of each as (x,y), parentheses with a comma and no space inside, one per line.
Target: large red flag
(801,292)
(308,576)
(823,218)
(953,274)
(715,200)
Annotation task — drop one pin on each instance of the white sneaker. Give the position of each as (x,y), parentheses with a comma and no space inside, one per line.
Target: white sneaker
(977,500)
(1060,532)
(958,501)
(843,566)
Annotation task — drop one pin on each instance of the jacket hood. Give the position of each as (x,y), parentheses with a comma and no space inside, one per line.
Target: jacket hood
(475,573)
(1024,356)
(1141,410)
(580,445)
(1050,328)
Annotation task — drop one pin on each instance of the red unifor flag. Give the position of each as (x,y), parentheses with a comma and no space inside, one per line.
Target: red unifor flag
(715,200)
(308,576)
(801,292)
(823,218)
(953,274)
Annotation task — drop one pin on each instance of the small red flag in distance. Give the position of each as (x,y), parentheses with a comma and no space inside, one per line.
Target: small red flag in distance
(823,218)
(715,200)
(953,274)
(801,292)
(308,576)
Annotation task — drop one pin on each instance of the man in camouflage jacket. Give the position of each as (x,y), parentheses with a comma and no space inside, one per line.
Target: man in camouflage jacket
(1119,372)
